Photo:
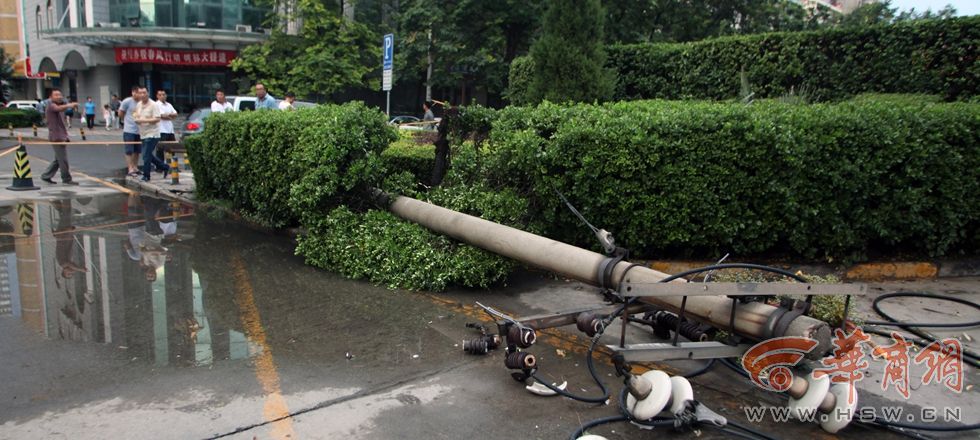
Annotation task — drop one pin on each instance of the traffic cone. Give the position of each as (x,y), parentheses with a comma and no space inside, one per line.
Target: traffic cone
(22,172)
(25,212)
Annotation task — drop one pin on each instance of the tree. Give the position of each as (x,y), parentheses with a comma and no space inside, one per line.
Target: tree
(6,74)
(569,57)
(467,41)
(326,56)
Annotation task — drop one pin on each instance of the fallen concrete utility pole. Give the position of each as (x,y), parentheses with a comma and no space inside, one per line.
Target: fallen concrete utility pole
(751,319)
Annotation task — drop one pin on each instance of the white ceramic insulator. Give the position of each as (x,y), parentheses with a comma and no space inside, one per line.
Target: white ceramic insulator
(805,408)
(653,404)
(680,392)
(843,410)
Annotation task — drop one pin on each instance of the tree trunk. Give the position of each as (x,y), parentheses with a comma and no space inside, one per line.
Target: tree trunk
(428,70)
(348,6)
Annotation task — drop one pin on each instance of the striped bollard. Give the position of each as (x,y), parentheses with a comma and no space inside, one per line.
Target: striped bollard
(35,130)
(174,171)
(11,128)
(82,131)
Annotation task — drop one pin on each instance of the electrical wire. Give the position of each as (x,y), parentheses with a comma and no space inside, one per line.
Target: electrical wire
(595,377)
(969,356)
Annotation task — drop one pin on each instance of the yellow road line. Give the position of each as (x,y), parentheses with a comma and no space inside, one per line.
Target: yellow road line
(275,410)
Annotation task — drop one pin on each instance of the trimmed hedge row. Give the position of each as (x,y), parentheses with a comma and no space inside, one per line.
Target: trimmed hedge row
(18,118)
(275,166)
(926,56)
(822,181)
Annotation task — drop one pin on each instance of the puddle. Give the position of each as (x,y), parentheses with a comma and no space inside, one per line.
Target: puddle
(163,286)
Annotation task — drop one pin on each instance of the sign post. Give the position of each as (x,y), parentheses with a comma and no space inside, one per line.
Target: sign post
(387,65)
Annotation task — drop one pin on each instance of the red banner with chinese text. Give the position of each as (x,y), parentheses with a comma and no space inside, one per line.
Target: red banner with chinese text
(188,57)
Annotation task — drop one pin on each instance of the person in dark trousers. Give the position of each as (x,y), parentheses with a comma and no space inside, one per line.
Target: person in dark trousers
(114,107)
(57,132)
(131,132)
(89,112)
(167,116)
(70,112)
(147,116)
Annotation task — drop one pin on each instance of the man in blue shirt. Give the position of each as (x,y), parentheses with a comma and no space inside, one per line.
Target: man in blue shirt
(265,101)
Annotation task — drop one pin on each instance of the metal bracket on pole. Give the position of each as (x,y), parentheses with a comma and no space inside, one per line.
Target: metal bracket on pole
(739,289)
(683,350)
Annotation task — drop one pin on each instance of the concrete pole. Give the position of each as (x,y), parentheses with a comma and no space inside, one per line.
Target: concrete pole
(580,264)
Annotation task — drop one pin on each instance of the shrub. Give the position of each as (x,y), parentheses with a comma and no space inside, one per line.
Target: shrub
(18,118)
(519,80)
(380,247)
(406,155)
(821,181)
(273,166)
(924,56)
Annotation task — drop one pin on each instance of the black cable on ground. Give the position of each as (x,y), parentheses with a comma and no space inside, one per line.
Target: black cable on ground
(969,356)
(704,369)
(597,422)
(595,377)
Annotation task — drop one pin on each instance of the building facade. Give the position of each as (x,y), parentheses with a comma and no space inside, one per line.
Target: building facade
(102,47)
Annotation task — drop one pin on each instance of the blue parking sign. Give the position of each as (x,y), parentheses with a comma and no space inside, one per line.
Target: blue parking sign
(389,51)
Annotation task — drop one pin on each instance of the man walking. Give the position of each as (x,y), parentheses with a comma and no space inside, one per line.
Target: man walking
(219,105)
(57,132)
(147,116)
(131,132)
(167,116)
(90,112)
(264,101)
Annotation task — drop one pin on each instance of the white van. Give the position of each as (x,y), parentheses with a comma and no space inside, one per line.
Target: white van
(245,103)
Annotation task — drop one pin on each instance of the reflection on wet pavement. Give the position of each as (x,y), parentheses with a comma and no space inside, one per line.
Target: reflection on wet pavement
(134,294)
(99,269)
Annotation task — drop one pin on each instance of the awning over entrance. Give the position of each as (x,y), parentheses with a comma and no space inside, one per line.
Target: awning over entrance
(146,36)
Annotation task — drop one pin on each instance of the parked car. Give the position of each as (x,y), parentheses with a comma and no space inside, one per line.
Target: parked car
(411,123)
(24,104)
(195,122)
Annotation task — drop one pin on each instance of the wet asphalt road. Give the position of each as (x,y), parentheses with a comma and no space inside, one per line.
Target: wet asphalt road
(131,317)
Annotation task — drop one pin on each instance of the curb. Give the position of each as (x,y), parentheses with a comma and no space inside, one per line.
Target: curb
(158,190)
(873,271)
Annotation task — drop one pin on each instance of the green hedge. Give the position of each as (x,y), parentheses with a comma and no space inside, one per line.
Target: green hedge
(313,167)
(18,118)
(926,56)
(407,155)
(274,166)
(822,181)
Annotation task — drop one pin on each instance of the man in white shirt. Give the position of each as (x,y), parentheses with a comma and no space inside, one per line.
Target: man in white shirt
(219,105)
(167,116)
(147,116)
